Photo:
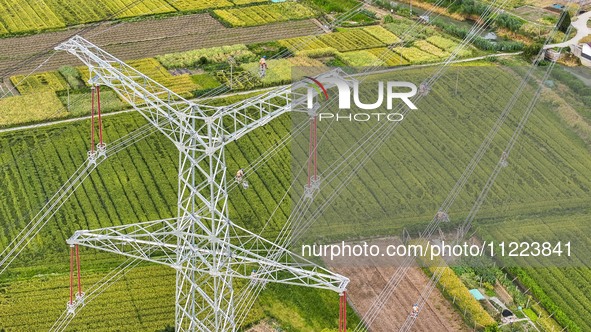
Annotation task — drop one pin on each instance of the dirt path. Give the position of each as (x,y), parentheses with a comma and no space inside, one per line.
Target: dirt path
(369,277)
(133,40)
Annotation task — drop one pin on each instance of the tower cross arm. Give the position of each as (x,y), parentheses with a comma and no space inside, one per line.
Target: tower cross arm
(248,256)
(172,114)
(236,120)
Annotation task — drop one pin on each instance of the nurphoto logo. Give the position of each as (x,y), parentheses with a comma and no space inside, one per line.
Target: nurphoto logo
(392,91)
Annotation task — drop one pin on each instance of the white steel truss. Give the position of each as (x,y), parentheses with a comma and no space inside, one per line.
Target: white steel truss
(202,244)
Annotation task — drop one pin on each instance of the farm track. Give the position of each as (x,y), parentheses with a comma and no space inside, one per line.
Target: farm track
(133,40)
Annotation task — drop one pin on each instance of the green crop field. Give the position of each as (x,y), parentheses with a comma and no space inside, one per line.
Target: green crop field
(382,34)
(189,59)
(181,84)
(398,189)
(350,40)
(369,42)
(34,107)
(561,289)
(52,81)
(415,55)
(280,71)
(153,170)
(35,16)
(191,5)
(264,14)
(18,17)
(140,184)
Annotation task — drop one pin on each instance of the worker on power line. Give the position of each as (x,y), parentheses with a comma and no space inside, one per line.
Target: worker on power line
(441,216)
(240,179)
(263,66)
(240,175)
(415,310)
(424,89)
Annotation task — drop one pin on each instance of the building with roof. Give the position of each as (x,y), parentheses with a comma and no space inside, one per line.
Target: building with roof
(583,52)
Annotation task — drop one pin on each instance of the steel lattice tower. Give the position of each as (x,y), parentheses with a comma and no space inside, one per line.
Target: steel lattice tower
(202,244)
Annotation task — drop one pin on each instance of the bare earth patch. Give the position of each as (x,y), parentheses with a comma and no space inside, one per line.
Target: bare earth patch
(369,276)
(261,327)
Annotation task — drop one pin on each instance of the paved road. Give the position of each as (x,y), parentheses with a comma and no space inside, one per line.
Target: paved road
(582,30)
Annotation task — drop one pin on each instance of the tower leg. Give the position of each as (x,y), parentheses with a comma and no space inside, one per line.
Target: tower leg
(207,309)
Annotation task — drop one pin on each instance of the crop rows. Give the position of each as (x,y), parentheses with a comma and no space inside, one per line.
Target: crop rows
(448,45)
(360,58)
(34,83)
(280,70)
(343,41)
(415,55)
(191,5)
(405,181)
(189,59)
(457,129)
(247,2)
(264,14)
(388,57)
(430,48)
(23,16)
(35,16)
(548,283)
(382,34)
(181,84)
(32,107)
(369,42)
(350,40)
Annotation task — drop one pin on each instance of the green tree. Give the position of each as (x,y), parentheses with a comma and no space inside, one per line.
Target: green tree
(492,328)
(509,22)
(532,50)
(564,21)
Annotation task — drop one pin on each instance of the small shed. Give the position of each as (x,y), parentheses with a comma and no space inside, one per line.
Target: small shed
(477,295)
(552,55)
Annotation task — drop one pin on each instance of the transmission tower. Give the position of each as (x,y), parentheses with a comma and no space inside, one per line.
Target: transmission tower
(201,243)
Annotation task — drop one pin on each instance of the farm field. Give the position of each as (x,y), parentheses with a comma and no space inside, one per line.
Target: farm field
(33,17)
(181,84)
(128,40)
(356,47)
(51,81)
(36,162)
(144,300)
(208,51)
(264,14)
(40,106)
(558,287)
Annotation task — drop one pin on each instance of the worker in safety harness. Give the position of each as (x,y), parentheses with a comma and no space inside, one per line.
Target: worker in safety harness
(239,175)
(263,66)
